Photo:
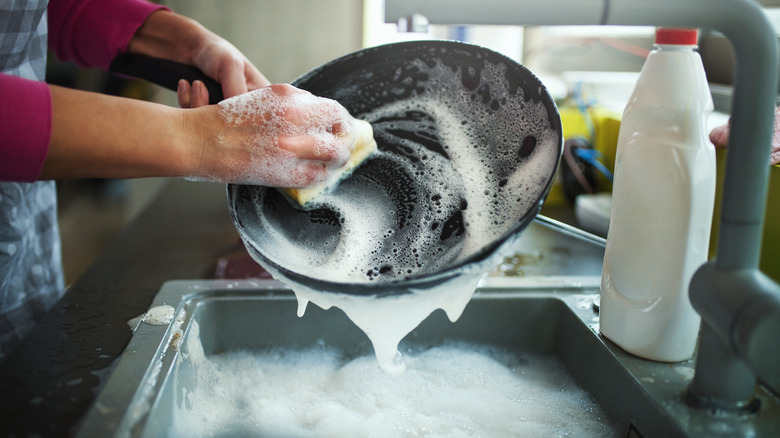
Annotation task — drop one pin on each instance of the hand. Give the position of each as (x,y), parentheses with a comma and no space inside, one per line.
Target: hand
(720,138)
(168,35)
(277,136)
(222,62)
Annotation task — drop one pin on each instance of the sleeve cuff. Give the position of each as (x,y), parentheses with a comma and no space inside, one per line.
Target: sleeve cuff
(25,128)
(93,32)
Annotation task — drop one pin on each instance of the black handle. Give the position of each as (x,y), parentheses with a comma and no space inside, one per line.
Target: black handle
(163,72)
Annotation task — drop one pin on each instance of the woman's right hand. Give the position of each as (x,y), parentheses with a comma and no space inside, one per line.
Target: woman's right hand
(278,136)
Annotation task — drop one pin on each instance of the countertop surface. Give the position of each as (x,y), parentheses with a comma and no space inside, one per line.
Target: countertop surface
(50,381)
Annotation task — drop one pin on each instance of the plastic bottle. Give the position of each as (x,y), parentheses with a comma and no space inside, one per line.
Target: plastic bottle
(662,204)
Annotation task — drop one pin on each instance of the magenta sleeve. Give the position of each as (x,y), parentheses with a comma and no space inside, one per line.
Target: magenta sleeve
(93,32)
(25,127)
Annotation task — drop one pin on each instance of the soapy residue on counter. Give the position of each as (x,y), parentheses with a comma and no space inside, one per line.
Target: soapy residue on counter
(157,315)
(452,390)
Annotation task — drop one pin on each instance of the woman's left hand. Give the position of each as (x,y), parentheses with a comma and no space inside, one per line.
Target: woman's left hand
(168,35)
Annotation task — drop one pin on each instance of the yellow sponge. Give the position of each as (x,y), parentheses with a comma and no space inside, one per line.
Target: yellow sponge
(363,147)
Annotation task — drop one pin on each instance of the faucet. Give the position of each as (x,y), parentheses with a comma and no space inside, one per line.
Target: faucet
(739,305)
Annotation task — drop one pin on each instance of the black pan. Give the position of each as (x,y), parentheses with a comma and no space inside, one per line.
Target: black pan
(469,141)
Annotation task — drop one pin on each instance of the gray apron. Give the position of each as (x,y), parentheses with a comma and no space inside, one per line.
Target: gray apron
(31,279)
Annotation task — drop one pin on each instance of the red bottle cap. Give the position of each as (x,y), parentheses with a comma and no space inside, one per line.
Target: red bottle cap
(682,37)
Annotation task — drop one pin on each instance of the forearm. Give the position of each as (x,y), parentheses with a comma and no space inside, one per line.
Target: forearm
(278,136)
(98,136)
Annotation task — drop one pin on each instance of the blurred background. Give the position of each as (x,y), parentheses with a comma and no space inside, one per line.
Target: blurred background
(590,71)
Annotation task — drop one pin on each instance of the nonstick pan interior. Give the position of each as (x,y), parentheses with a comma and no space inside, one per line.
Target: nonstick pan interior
(469,141)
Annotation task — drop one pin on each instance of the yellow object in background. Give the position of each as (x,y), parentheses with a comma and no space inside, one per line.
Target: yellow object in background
(770,243)
(770,249)
(606,125)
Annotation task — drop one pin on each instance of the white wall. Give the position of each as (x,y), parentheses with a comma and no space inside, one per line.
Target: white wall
(283,38)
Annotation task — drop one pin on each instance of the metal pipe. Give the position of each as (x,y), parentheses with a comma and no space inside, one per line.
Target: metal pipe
(737,313)
(509,12)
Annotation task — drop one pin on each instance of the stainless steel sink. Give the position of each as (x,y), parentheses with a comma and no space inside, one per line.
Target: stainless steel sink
(551,309)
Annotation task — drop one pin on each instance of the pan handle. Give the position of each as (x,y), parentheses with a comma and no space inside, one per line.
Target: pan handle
(163,72)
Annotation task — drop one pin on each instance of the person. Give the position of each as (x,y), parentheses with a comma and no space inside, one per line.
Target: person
(274,135)
(720,138)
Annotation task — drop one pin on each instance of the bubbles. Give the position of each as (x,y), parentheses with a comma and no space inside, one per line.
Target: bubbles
(159,315)
(283,129)
(387,320)
(451,390)
(450,178)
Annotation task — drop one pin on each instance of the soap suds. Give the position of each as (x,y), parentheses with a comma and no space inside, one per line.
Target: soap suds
(386,321)
(268,114)
(159,315)
(452,390)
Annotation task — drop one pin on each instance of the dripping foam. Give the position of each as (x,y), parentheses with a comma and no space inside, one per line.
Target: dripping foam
(491,198)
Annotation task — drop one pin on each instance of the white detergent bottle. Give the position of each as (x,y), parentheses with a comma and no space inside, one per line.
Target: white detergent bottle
(662,205)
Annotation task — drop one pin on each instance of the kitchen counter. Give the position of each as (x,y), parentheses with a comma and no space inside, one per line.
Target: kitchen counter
(49,382)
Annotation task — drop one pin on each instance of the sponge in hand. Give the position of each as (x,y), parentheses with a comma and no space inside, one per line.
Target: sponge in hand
(362,148)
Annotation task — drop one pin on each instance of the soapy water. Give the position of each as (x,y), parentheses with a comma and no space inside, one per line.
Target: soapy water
(452,390)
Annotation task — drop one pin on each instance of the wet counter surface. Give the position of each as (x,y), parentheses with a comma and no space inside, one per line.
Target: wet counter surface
(49,382)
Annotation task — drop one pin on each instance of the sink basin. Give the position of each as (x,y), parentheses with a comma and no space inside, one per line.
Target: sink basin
(641,398)
(551,310)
